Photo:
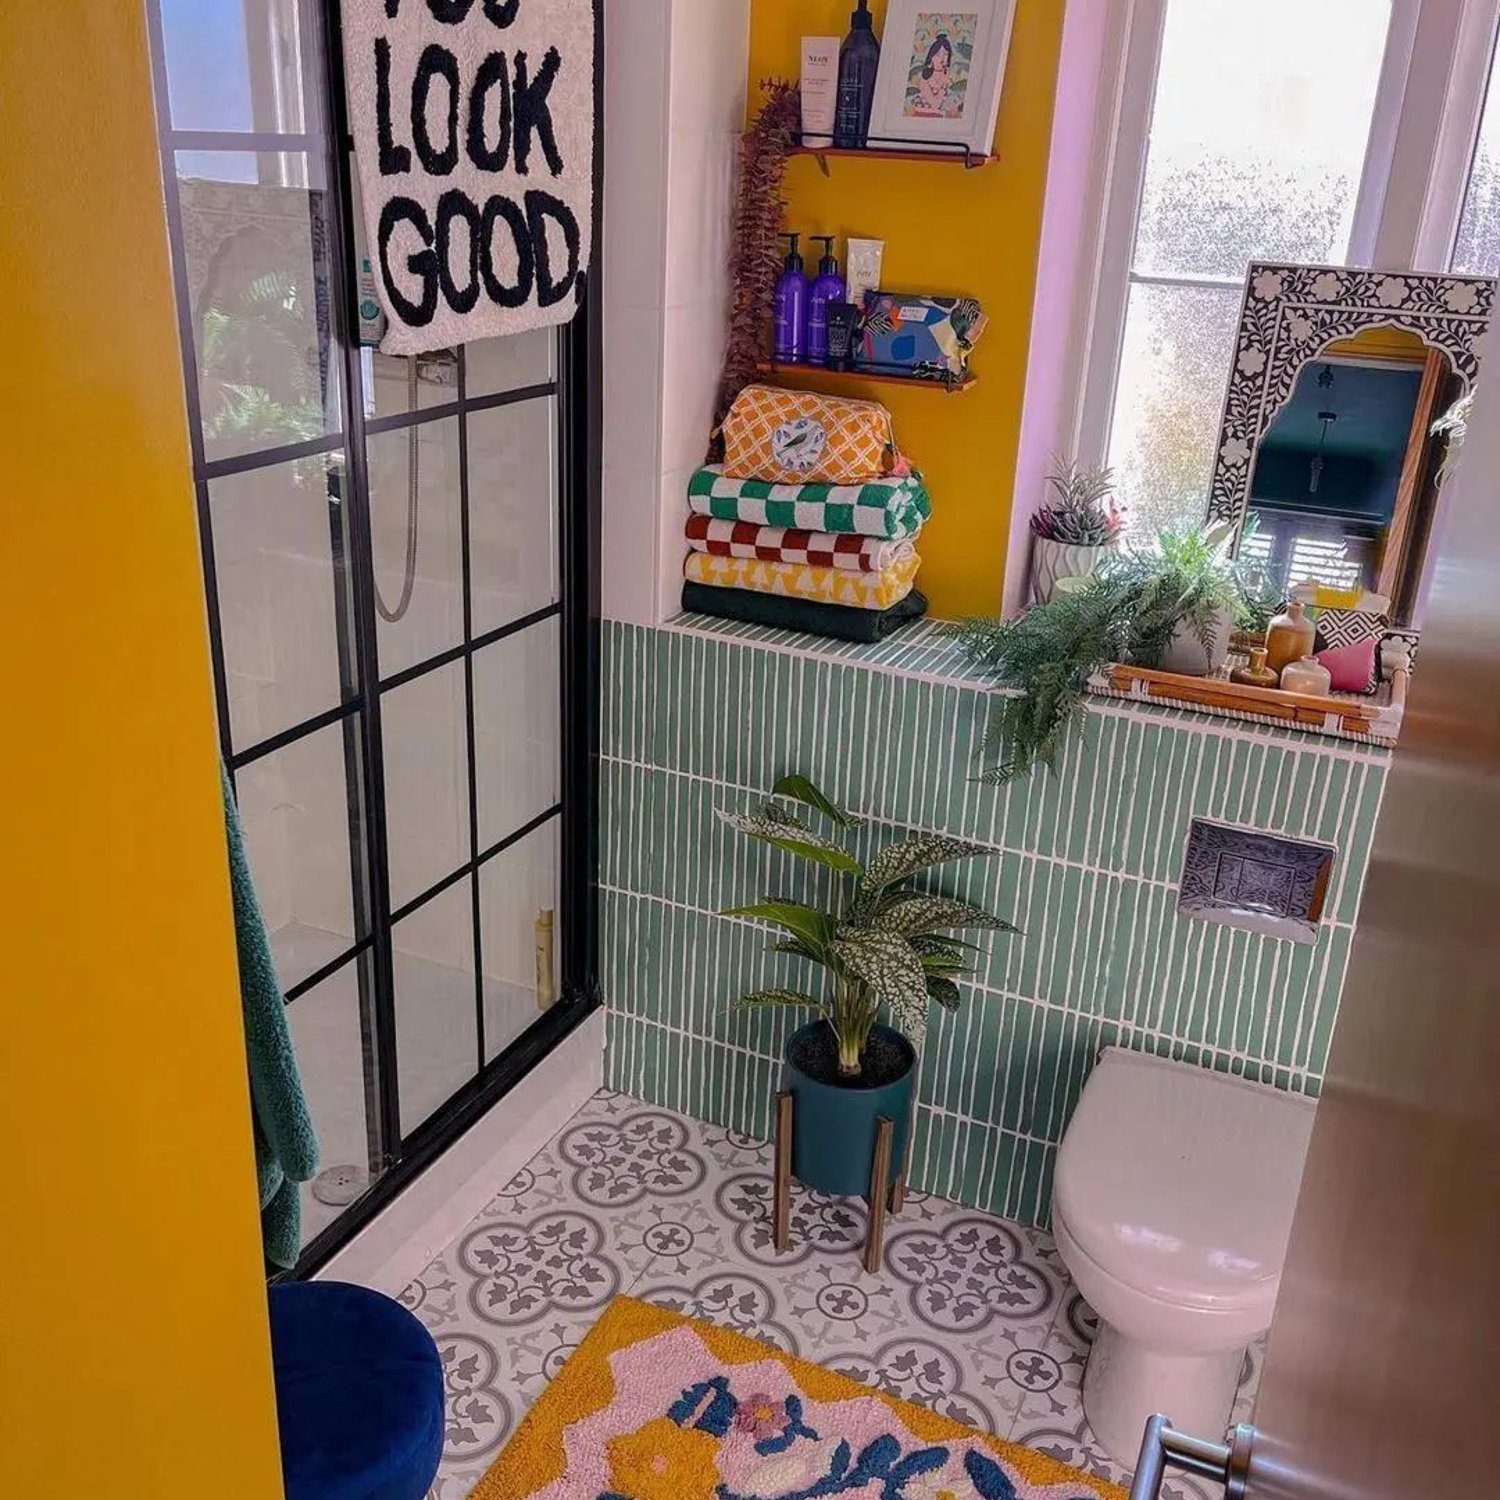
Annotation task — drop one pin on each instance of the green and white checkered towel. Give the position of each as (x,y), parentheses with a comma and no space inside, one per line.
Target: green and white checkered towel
(889,508)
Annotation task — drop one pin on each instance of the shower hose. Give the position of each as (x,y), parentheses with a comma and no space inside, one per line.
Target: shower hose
(413,474)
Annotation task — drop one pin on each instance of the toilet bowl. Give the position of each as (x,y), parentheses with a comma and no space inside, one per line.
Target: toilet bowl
(1173,1200)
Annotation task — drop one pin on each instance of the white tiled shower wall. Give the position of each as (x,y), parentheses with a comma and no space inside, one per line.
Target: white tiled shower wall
(674,110)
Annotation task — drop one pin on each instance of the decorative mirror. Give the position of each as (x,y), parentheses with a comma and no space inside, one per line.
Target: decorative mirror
(1327,464)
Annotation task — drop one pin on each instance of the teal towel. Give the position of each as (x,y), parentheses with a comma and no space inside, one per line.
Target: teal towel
(286,1146)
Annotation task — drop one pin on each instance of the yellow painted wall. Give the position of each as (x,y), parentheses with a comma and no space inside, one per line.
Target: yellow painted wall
(134,1357)
(952,231)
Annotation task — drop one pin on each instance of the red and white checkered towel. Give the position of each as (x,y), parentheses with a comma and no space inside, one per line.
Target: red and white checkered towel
(822,549)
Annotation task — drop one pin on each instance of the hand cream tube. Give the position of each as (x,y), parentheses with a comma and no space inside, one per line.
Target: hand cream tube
(820,87)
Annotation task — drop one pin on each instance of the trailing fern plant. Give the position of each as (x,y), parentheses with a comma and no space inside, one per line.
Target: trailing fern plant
(889,948)
(1128,612)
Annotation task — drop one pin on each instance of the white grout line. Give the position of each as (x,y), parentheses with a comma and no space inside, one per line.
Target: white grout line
(988,991)
(1022,852)
(1104,703)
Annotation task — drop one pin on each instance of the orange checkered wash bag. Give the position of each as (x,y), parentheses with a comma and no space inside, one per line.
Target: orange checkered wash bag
(796,437)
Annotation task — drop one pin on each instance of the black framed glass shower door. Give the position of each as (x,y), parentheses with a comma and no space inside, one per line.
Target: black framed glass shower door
(397,558)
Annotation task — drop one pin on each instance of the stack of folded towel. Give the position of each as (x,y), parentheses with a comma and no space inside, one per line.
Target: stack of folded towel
(835,560)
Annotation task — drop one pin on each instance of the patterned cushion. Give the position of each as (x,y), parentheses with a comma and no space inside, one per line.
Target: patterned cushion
(1347,627)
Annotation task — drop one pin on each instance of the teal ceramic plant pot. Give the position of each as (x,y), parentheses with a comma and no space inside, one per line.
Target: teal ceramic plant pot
(834,1123)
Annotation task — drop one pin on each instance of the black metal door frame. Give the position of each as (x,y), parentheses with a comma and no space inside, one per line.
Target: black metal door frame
(577,393)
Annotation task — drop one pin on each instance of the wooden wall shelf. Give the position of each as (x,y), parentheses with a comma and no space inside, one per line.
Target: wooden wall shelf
(859,376)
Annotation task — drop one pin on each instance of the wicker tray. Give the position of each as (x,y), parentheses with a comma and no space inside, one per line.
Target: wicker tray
(1345,715)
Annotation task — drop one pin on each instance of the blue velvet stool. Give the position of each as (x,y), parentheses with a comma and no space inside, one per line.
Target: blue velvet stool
(359,1394)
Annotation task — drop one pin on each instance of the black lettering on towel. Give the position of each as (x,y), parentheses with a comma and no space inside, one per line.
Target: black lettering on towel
(435,62)
(534,111)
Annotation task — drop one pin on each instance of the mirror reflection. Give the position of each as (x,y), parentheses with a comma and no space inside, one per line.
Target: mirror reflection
(1345,478)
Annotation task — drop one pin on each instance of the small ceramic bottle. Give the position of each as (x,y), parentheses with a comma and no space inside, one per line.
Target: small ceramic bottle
(1289,637)
(1257,673)
(1309,676)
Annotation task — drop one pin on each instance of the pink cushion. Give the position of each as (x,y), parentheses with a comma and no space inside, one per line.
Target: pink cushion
(1352,667)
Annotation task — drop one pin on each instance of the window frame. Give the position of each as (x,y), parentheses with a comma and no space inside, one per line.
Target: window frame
(1423,134)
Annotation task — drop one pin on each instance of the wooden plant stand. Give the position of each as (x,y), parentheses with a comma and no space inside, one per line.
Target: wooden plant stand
(880,1200)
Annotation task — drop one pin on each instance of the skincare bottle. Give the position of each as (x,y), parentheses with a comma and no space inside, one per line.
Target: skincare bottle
(790,341)
(863,260)
(859,61)
(820,87)
(843,326)
(828,288)
(371,318)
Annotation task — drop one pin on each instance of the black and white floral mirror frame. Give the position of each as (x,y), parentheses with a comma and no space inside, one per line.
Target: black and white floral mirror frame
(1292,313)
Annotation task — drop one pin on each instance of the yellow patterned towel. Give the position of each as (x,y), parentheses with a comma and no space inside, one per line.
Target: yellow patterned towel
(806,581)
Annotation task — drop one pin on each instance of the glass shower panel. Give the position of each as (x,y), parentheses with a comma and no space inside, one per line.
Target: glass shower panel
(437,1017)
(330,1048)
(426,781)
(417,538)
(255,247)
(492,366)
(294,808)
(512,511)
(278,556)
(395,384)
(517,712)
(520,921)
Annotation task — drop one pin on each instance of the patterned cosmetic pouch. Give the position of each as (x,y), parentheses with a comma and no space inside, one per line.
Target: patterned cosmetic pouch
(929,336)
(891,508)
(798,437)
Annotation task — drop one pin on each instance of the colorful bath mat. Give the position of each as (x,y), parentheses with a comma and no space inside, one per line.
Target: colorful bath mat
(657,1406)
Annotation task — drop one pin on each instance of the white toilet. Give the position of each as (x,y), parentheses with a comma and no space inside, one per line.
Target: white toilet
(1172,1204)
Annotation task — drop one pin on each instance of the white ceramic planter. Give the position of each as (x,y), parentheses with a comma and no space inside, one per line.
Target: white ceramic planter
(1051,561)
(1185,651)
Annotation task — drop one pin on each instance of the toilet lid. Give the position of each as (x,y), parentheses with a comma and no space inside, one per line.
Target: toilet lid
(1181,1182)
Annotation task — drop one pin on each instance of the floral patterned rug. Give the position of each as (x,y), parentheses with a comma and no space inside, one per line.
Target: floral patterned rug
(657,1406)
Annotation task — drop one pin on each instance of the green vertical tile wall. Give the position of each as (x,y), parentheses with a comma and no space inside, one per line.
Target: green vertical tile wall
(1087,863)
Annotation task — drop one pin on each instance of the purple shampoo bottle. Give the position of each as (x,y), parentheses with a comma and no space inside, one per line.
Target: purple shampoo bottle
(827,289)
(789,344)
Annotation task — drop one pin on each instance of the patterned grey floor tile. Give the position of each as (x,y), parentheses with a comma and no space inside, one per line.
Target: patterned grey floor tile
(969,1315)
(969,1272)
(735,1294)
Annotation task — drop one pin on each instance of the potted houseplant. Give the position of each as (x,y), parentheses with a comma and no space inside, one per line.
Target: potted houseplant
(1195,568)
(1074,528)
(1170,606)
(887,950)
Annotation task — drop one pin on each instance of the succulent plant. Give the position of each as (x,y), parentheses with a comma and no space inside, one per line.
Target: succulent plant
(1082,511)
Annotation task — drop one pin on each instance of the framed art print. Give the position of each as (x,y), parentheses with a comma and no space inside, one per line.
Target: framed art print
(940,75)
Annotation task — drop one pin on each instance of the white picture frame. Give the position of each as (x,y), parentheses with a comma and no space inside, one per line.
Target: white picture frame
(928,101)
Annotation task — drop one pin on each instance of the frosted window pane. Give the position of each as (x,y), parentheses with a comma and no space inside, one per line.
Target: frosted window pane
(1173,371)
(1258,133)
(1477,250)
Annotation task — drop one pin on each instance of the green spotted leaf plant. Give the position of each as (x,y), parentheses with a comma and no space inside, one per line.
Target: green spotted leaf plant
(890,949)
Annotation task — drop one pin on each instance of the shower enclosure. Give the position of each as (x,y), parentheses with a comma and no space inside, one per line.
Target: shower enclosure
(401,602)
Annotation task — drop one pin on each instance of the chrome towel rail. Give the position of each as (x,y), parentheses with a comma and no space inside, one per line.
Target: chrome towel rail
(1225,1463)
